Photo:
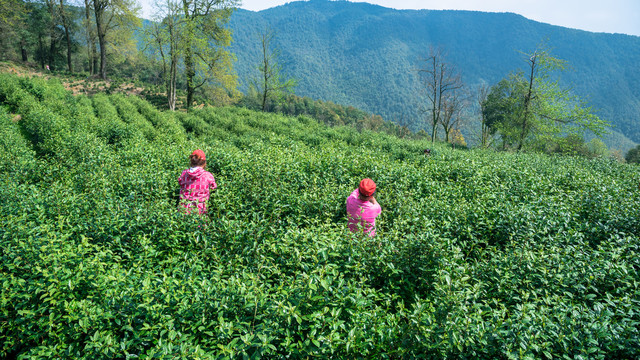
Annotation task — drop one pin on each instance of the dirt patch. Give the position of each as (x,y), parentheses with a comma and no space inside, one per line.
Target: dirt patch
(20,70)
(76,84)
(82,85)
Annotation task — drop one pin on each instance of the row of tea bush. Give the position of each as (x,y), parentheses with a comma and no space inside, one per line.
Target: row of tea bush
(478,254)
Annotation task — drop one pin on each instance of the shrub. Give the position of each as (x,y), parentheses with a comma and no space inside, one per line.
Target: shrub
(479,254)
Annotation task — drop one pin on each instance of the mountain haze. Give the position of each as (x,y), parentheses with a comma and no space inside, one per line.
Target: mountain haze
(366,55)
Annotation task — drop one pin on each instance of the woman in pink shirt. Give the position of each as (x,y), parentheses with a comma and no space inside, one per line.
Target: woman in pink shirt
(195,183)
(363,208)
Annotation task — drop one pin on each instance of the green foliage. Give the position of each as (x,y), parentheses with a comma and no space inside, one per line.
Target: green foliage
(478,254)
(325,112)
(633,155)
(12,15)
(374,50)
(270,84)
(531,107)
(16,153)
(575,145)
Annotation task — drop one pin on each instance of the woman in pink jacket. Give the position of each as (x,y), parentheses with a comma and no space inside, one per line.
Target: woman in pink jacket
(195,183)
(363,208)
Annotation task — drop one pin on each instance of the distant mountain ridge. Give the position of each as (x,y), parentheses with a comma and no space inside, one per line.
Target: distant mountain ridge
(366,55)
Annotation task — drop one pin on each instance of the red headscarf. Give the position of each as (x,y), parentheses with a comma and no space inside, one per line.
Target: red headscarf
(367,187)
(199,153)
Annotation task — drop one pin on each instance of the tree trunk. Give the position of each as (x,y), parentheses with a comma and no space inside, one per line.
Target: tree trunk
(103,56)
(67,35)
(265,92)
(171,93)
(188,64)
(434,108)
(527,102)
(52,51)
(90,42)
(434,121)
(434,129)
(173,66)
(41,51)
(51,58)
(188,55)
(99,11)
(52,36)
(23,50)
(265,71)
(94,50)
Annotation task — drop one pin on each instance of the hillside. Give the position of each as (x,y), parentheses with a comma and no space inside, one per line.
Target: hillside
(479,254)
(365,55)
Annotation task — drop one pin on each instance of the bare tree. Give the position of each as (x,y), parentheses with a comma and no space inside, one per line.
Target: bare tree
(451,116)
(271,83)
(533,67)
(486,136)
(439,81)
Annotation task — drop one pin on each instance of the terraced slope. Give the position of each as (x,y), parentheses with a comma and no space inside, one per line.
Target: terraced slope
(478,254)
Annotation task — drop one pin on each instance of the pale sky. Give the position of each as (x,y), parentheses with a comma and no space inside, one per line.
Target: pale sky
(612,16)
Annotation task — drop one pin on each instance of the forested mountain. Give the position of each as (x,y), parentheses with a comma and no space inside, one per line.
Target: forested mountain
(366,55)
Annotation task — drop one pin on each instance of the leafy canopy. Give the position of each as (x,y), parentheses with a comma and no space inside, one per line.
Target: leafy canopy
(529,108)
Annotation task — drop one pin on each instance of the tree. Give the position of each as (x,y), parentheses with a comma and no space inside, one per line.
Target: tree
(59,15)
(451,118)
(12,16)
(204,44)
(633,155)
(113,16)
(53,31)
(66,24)
(502,108)
(270,83)
(90,37)
(165,33)
(533,106)
(440,83)
(486,134)
(597,148)
(35,32)
(192,33)
(40,29)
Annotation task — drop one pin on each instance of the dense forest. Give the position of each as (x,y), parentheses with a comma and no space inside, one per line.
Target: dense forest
(366,56)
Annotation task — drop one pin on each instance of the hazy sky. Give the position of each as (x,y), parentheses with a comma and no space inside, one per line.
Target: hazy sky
(612,16)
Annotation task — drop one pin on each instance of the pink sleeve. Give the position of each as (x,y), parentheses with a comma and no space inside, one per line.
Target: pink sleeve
(181,178)
(212,181)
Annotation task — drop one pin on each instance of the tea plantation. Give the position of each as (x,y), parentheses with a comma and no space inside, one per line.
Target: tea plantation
(479,254)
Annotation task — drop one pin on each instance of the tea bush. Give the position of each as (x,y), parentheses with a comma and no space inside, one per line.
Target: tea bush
(478,254)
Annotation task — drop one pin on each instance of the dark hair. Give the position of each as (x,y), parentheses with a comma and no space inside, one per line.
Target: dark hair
(195,160)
